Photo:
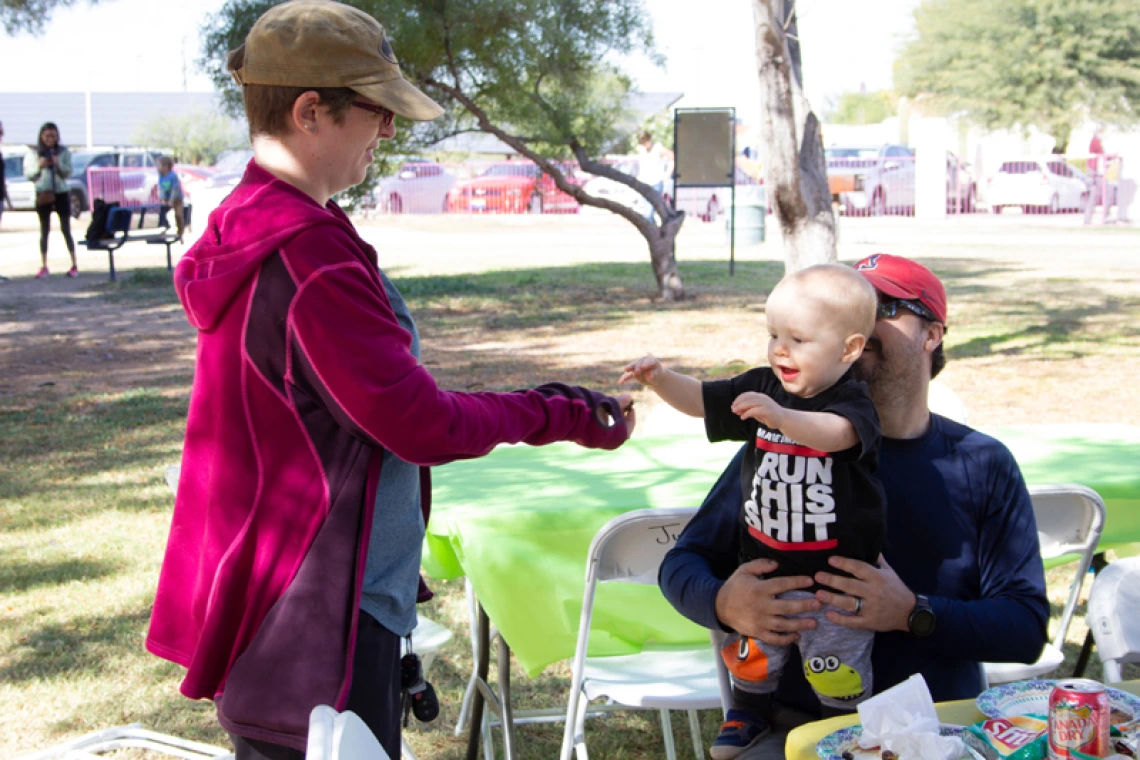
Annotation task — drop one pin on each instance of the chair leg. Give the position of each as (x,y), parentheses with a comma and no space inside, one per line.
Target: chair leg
(406,752)
(1111,671)
(667,731)
(580,729)
(695,730)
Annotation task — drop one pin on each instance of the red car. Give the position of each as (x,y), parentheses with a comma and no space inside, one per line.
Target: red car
(513,187)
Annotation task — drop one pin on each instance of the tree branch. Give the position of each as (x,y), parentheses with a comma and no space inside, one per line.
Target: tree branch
(648,229)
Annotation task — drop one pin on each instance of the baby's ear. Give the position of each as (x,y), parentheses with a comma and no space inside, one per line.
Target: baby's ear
(853,347)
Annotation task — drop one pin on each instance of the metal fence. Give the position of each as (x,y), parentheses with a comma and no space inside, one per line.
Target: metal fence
(1049,185)
(125,186)
(521,187)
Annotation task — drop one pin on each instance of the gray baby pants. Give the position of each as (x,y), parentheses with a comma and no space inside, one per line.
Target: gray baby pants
(837,660)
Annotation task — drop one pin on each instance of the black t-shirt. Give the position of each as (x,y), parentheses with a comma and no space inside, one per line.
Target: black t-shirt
(801,505)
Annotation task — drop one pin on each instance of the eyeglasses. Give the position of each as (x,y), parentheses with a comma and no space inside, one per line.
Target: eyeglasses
(890,309)
(383,112)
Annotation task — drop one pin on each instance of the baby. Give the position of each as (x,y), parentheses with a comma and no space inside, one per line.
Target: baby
(808,478)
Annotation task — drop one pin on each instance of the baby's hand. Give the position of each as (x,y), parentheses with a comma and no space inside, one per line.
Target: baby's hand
(645,370)
(760,408)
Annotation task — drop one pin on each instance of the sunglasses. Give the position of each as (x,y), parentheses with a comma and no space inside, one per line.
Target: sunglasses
(890,309)
(383,112)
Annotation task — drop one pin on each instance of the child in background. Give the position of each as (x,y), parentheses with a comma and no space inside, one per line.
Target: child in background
(170,190)
(810,490)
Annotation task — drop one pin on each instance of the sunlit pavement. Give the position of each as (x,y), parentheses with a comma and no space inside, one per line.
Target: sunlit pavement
(411,244)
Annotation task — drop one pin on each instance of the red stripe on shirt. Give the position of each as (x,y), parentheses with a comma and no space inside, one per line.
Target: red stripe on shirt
(788,448)
(793,546)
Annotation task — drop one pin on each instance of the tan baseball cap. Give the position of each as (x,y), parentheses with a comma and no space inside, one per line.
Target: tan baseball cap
(323,43)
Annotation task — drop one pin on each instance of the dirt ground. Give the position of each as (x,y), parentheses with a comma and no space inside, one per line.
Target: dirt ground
(59,335)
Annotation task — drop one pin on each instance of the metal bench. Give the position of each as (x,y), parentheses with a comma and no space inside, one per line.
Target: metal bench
(128,224)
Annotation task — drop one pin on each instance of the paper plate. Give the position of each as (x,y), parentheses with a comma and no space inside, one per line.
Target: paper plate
(1032,698)
(832,746)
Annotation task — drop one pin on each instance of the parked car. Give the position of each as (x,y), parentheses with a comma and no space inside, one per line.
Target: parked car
(888,185)
(192,176)
(1037,184)
(21,190)
(136,183)
(513,187)
(229,169)
(419,187)
(961,186)
(704,203)
(846,171)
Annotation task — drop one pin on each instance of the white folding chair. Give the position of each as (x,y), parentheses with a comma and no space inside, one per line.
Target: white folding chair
(629,549)
(1112,617)
(91,745)
(1070,519)
(341,736)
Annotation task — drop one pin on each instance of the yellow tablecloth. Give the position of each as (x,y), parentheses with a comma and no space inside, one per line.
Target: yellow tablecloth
(801,741)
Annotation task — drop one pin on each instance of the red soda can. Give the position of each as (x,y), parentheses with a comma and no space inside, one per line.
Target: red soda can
(1078,719)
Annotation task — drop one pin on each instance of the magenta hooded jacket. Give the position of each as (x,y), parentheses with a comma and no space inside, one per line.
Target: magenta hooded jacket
(303,378)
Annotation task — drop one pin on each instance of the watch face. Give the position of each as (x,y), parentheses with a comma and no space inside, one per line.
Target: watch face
(922,622)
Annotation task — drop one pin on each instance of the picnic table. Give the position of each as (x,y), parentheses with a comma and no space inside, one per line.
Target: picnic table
(518,524)
(137,224)
(801,741)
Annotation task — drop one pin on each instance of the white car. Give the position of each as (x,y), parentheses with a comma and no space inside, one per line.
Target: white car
(1037,184)
(21,190)
(704,203)
(420,187)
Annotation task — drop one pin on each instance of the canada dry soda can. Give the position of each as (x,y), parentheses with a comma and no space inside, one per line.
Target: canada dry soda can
(1078,720)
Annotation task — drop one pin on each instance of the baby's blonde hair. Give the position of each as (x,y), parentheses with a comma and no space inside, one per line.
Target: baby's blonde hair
(853,300)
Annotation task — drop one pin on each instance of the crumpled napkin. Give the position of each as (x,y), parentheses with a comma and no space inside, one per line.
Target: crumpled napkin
(902,719)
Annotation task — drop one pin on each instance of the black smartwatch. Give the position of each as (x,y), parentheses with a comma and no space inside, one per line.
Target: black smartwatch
(921,621)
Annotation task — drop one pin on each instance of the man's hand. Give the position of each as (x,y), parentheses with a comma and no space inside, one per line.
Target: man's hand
(748,604)
(887,602)
(646,370)
(760,408)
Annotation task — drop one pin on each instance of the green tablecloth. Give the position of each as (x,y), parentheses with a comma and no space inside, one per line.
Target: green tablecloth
(518,524)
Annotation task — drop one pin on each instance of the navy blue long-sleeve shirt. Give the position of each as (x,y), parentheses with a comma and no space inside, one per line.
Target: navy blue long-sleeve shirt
(960,529)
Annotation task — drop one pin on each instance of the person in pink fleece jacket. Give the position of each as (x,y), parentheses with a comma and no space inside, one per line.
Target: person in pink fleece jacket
(291,571)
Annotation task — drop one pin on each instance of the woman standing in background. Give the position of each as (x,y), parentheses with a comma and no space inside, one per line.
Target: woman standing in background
(49,167)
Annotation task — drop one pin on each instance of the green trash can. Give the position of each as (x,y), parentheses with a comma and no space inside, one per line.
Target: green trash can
(750,221)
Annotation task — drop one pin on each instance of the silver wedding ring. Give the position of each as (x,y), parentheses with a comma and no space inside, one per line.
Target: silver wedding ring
(858,605)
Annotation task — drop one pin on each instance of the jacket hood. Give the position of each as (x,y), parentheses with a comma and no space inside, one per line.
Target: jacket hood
(255,220)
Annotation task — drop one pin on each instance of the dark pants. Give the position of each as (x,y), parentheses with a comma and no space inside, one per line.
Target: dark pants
(62,208)
(375,694)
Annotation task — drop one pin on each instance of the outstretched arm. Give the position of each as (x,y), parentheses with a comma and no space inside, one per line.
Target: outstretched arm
(823,431)
(681,392)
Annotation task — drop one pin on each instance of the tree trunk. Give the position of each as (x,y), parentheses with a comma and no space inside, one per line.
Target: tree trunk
(795,166)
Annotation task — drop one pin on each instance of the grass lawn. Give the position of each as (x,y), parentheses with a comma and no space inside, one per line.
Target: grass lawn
(95,388)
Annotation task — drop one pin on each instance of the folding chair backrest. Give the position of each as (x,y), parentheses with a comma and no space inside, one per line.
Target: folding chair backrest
(1070,519)
(1113,602)
(341,736)
(630,548)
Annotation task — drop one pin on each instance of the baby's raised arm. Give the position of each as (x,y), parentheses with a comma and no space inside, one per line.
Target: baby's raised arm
(823,431)
(681,392)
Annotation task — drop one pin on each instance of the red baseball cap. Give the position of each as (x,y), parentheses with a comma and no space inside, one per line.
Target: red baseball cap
(900,277)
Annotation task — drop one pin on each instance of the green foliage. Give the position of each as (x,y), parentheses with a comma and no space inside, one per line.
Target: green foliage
(861,107)
(1047,63)
(538,68)
(195,137)
(29,15)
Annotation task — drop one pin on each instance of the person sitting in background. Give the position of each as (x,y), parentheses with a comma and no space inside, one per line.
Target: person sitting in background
(170,190)
(961,581)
